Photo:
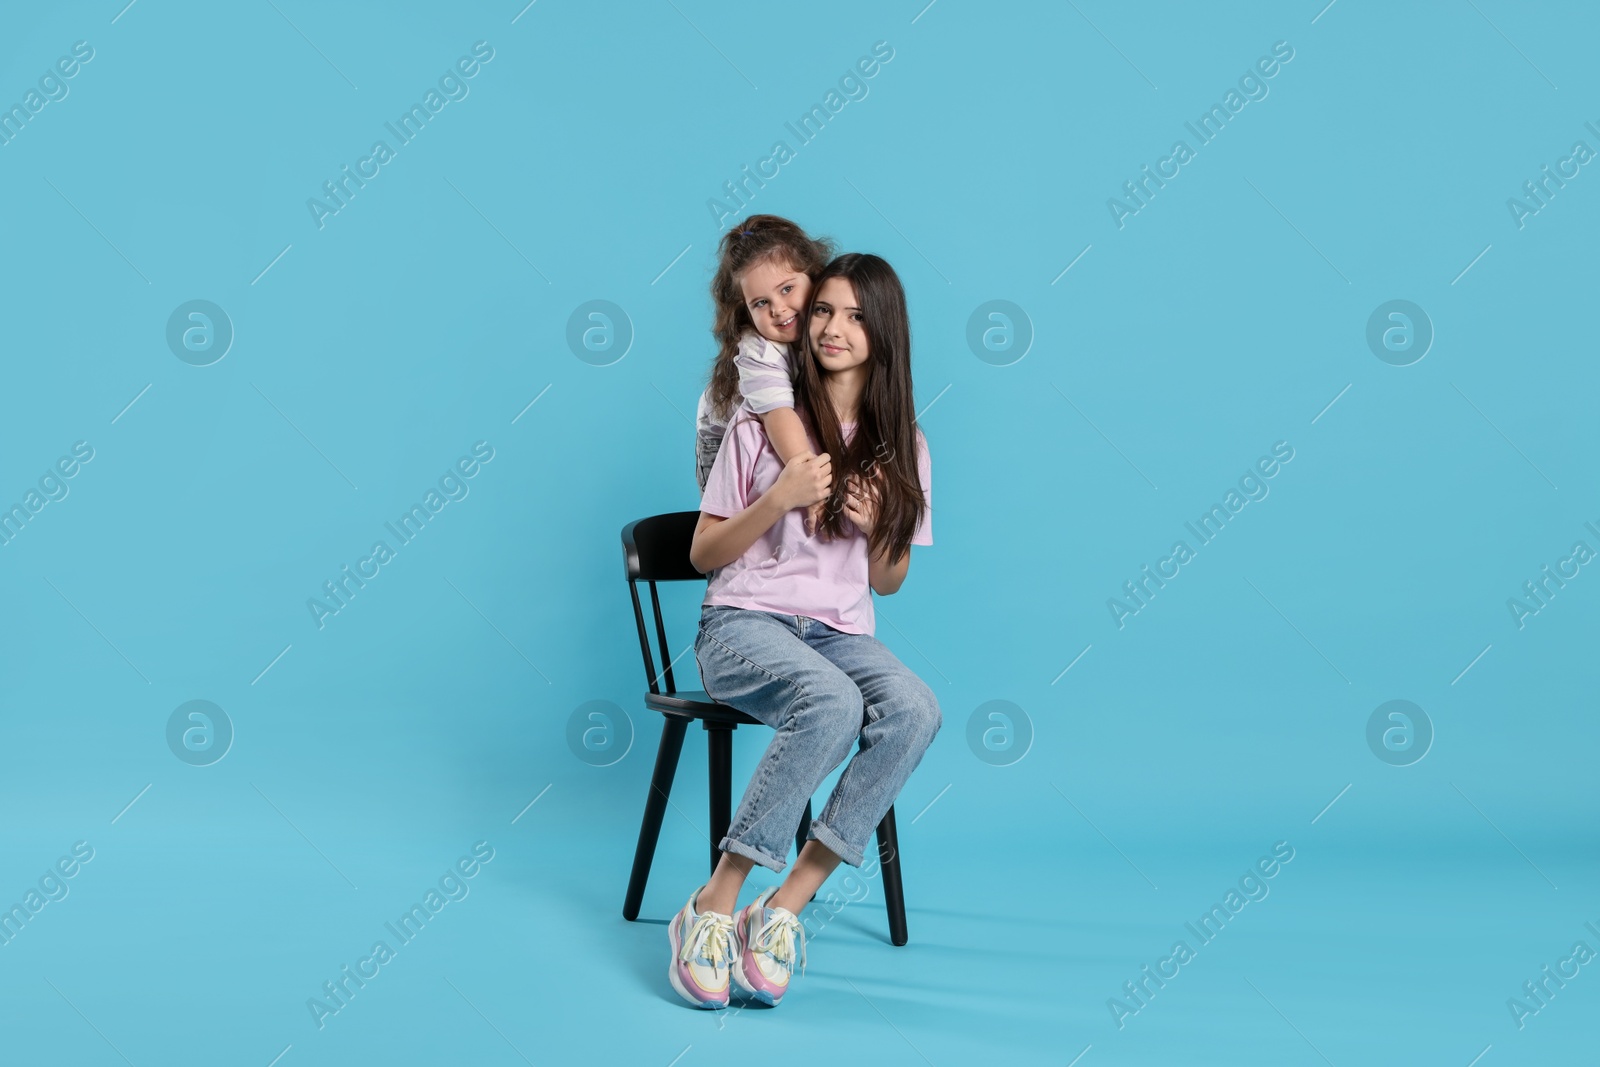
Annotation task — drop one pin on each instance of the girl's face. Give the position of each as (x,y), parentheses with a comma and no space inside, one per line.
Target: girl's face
(775,294)
(838,335)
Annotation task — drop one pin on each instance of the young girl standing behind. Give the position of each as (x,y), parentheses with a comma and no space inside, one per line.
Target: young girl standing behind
(761,291)
(796,650)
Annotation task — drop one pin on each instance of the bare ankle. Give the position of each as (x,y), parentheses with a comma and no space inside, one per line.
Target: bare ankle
(781,899)
(711,901)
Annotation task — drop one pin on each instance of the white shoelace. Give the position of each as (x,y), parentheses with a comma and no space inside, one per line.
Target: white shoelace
(777,937)
(711,937)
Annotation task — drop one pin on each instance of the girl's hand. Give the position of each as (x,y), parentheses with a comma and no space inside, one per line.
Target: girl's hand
(814,516)
(861,502)
(806,480)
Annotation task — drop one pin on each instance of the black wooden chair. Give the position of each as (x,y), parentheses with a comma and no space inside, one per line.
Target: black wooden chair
(656,549)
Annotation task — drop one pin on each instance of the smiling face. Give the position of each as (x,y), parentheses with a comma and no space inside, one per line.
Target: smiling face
(775,294)
(838,335)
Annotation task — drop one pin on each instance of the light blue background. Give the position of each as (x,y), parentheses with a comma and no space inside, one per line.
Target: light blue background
(427,315)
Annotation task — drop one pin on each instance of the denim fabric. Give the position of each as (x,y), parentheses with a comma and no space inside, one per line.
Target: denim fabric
(706,446)
(821,690)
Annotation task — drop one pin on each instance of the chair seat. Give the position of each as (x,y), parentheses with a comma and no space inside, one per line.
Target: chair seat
(697,704)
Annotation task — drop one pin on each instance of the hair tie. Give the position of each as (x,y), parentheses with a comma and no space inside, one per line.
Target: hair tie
(746,233)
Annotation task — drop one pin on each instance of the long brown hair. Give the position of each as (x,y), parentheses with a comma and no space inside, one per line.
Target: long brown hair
(757,239)
(883,450)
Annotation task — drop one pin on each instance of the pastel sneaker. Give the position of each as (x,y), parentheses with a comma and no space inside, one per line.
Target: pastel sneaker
(702,949)
(764,950)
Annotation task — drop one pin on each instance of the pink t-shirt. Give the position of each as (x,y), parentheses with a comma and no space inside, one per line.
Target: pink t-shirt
(786,570)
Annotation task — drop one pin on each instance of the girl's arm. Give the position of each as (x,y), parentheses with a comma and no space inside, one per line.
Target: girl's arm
(764,385)
(885,577)
(719,541)
(786,432)
(788,436)
(861,505)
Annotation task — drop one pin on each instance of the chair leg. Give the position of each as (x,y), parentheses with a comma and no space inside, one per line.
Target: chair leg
(719,759)
(893,891)
(800,834)
(655,806)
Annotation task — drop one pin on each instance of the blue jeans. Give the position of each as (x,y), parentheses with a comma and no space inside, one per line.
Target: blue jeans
(821,690)
(705,454)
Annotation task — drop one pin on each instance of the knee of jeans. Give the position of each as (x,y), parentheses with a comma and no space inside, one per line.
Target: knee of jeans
(925,716)
(837,706)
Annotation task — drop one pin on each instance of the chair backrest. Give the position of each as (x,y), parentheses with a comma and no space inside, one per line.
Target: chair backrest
(656,549)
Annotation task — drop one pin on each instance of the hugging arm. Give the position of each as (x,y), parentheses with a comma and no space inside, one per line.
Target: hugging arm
(718,540)
(764,383)
(787,434)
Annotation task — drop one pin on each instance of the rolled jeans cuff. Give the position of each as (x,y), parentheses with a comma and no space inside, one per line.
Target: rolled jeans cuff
(766,859)
(820,831)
